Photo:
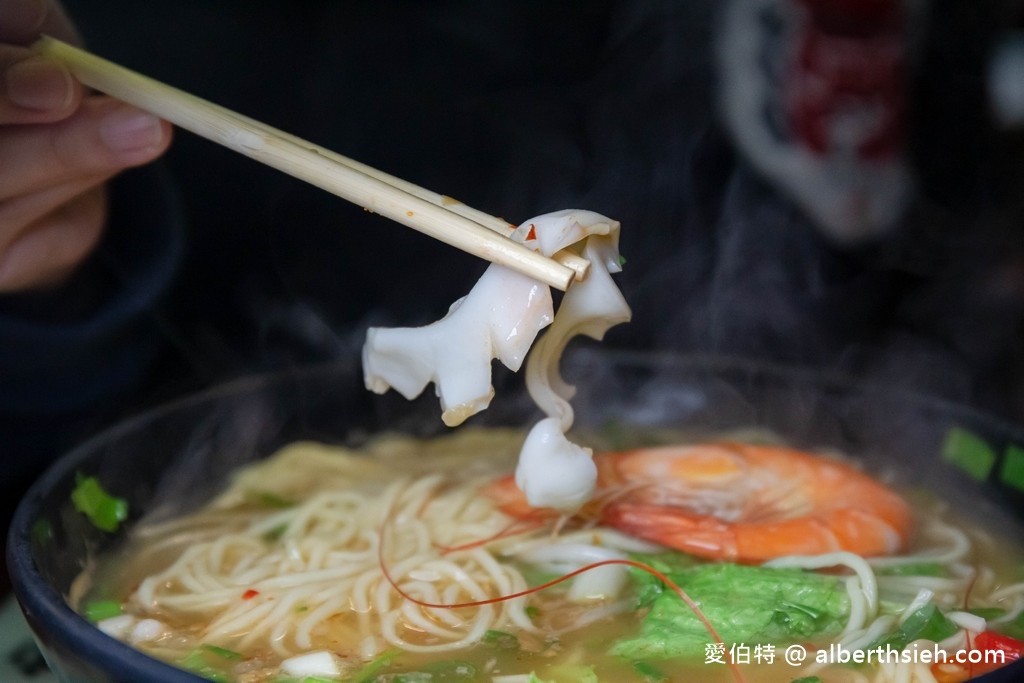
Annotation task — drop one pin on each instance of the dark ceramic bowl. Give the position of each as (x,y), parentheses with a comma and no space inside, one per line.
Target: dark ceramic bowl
(172,459)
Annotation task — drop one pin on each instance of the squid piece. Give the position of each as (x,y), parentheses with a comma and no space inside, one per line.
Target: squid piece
(553,472)
(590,308)
(499,319)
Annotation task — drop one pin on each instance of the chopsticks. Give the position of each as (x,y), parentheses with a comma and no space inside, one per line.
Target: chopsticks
(433,214)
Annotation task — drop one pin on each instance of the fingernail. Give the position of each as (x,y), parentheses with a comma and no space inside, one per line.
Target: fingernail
(39,83)
(129,130)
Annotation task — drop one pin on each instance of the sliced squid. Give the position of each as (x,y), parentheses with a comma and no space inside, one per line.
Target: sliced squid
(499,319)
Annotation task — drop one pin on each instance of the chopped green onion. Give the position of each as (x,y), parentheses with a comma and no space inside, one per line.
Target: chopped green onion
(532,611)
(42,531)
(969,452)
(1012,471)
(650,672)
(98,610)
(501,639)
(196,661)
(105,511)
(222,652)
(928,622)
(1013,628)
(807,679)
(374,667)
(268,499)
(274,534)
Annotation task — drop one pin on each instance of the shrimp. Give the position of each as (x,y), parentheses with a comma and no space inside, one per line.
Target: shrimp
(738,502)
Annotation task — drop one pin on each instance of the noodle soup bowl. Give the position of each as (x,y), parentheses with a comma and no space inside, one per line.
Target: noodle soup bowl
(173,459)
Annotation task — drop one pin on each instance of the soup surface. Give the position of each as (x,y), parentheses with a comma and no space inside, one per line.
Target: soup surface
(413,561)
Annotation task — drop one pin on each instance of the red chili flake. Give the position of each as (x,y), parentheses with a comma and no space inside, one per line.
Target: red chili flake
(250,594)
(532,235)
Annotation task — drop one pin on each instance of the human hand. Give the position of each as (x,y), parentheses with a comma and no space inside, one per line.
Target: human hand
(58,146)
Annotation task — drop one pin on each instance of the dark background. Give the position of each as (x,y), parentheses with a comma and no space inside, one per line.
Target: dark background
(524,108)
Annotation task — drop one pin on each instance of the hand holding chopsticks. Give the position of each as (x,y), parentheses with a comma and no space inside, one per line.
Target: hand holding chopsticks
(430,213)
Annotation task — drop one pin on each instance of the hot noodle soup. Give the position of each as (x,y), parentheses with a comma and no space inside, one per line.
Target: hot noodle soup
(419,561)
(398,562)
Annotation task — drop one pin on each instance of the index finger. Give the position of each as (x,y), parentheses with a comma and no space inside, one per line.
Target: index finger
(22,21)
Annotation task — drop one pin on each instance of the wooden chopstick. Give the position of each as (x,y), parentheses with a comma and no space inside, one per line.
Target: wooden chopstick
(433,214)
(567,258)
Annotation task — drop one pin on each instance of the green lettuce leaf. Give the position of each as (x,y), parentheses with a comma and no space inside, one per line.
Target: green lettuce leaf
(752,605)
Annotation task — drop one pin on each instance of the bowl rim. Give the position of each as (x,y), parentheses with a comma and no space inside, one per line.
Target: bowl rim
(69,631)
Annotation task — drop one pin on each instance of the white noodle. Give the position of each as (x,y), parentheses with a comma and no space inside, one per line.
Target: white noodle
(856,563)
(875,630)
(967,621)
(958,546)
(858,606)
(923,597)
(326,565)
